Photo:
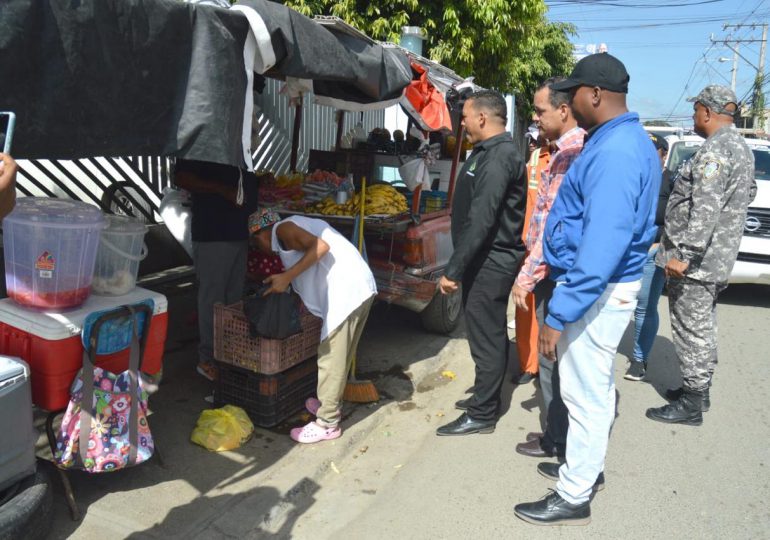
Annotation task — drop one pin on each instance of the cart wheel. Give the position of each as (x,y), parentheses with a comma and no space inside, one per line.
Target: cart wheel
(26,508)
(114,198)
(443,312)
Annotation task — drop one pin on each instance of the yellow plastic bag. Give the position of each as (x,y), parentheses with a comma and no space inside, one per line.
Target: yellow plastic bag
(222,429)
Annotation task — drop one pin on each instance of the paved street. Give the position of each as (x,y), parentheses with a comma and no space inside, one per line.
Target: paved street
(389,476)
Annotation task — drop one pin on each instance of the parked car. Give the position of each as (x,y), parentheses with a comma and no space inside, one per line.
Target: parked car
(753,264)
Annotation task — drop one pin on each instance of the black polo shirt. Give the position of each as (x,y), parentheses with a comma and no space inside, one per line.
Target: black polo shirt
(488,209)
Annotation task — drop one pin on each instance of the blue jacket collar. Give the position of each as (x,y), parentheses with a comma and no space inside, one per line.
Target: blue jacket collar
(601,129)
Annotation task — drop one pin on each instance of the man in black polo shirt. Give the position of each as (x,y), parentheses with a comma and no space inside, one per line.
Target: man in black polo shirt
(222,199)
(487,220)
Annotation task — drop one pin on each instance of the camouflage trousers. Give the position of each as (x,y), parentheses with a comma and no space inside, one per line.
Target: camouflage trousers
(692,305)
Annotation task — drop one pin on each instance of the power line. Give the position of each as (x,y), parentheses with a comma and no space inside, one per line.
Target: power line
(689,78)
(690,22)
(617,3)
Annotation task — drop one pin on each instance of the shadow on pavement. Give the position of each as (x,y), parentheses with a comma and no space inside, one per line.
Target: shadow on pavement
(745,294)
(201,482)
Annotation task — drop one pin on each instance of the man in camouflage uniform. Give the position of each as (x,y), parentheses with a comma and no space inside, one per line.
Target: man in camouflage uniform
(703,227)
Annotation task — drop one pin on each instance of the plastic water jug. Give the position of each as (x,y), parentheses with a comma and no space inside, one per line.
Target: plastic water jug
(50,250)
(121,248)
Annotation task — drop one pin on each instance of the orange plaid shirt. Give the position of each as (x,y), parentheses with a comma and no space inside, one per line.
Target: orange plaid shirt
(533,270)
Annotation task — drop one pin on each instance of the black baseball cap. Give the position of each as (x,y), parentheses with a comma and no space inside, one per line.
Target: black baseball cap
(659,141)
(602,70)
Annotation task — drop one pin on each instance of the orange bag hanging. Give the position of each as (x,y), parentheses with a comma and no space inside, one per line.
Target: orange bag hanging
(424,103)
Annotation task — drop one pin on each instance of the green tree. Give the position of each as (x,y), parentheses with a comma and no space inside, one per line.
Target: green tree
(507,45)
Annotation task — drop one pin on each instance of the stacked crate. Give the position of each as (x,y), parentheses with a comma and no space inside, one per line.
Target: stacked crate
(269,378)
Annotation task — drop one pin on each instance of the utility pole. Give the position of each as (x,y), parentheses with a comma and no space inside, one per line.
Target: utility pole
(758,97)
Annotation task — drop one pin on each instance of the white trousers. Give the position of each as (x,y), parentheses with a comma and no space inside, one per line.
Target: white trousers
(586,352)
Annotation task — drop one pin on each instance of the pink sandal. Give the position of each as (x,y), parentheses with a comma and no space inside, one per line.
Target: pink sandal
(313,433)
(312,405)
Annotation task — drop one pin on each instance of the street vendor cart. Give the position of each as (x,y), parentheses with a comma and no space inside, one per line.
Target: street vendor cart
(407,224)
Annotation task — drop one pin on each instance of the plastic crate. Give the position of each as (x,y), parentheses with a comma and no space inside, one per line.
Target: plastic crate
(233,344)
(268,399)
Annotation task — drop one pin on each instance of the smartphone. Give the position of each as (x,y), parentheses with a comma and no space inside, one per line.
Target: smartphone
(7,123)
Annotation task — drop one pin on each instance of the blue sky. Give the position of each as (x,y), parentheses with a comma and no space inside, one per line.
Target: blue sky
(666,47)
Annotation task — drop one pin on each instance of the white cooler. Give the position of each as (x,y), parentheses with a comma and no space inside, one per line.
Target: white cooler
(18,436)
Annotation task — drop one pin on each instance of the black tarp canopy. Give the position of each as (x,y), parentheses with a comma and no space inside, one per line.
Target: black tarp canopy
(161,77)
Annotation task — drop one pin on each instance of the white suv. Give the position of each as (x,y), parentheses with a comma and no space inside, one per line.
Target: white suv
(753,264)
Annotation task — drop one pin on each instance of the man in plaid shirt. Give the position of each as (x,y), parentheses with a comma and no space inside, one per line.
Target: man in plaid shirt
(556,123)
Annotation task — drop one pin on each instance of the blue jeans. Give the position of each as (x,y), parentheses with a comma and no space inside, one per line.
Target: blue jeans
(586,351)
(646,319)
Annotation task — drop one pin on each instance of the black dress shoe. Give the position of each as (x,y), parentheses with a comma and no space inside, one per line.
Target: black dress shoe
(553,510)
(465,425)
(551,471)
(463,404)
(532,435)
(524,378)
(675,394)
(534,448)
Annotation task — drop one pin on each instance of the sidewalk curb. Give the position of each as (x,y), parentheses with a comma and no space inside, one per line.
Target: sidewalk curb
(353,439)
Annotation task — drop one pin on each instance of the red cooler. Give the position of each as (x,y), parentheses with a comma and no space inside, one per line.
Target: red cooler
(50,342)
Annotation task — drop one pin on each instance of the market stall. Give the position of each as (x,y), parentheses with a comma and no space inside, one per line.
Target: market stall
(60,62)
(410,179)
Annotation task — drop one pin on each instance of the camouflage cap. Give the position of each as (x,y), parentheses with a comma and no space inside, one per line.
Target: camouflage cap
(716,98)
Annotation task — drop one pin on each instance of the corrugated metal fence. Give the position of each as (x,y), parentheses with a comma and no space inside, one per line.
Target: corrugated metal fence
(319,128)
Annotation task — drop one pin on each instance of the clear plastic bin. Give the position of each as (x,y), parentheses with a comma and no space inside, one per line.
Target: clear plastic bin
(121,249)
(50,250)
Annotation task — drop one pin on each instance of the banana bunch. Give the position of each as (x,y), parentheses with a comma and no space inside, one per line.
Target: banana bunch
(380,199)
(384,199)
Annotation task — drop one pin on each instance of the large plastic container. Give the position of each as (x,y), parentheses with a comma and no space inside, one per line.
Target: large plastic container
(121,248)
(50,342)
(17,443)
(50,251)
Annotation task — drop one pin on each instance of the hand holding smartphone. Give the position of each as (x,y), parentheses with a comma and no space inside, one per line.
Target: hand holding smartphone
(7,123)
(8,166)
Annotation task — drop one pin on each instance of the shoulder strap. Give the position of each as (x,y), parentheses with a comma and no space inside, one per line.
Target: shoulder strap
(134,361)
(86,402)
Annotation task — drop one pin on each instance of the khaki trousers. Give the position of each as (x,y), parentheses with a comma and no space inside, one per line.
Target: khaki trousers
(335,354)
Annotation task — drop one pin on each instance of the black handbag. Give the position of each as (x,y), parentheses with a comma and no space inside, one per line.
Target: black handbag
(275,316)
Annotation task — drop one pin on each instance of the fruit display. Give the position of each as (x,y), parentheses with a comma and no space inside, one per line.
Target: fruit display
(280,188)
(380,199)
(50,300)
(321,184)
(295,188)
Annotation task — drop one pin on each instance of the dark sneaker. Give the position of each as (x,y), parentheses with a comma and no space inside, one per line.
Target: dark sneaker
(551,471)
(208,370)
(636,371)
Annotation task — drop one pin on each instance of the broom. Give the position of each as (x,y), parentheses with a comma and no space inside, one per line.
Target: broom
(355,390)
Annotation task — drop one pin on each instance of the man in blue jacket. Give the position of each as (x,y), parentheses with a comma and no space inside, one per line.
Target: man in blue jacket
(595,242)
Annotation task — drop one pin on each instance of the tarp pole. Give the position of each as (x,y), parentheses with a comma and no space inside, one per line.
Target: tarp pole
(459,145)
(340,127)
(295,134)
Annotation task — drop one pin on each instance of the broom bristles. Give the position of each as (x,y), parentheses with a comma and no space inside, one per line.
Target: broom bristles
(360,392)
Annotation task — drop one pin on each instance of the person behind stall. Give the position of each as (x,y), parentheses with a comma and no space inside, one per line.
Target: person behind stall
(525,322)
(646,319)
(220,236)
(8,170)
(335,284)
